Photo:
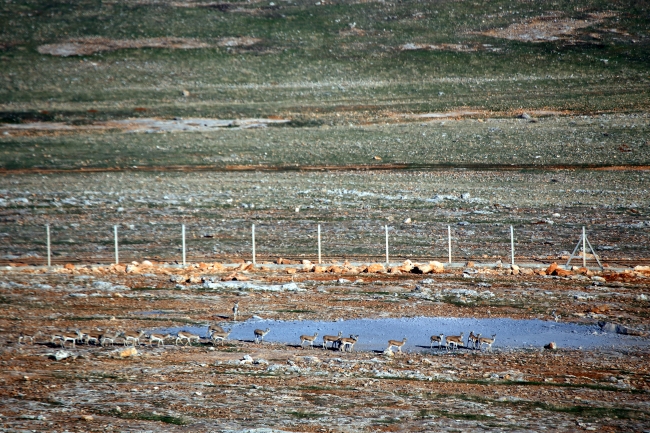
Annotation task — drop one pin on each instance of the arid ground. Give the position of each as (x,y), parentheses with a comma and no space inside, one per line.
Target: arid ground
(426,121)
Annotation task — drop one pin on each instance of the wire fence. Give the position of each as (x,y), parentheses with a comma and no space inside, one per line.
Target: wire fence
(268,240)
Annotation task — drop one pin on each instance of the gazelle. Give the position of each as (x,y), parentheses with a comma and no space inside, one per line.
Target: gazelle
(455,340)
(64,337)
(345,342)
(309,339)
(133,337)
(158,339)
(331,339)
(437,338)
(235,311)
(22,339)
(215,328)
(556,316)
(188,336)
(107,338)
(219,336)
(487,341)
(472,340)
(88,335)
(397,344)
(259,334)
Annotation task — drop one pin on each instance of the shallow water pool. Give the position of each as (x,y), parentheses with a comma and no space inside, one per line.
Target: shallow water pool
(375,333)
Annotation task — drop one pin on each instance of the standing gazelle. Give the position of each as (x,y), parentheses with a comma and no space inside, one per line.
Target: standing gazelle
(397,344)
(187,336)
(347,342)
(455,340)
(259,334)
(473,340)
(438,339)
(158,339)
(488,342)
(219,336)
(309,339)
(331,339)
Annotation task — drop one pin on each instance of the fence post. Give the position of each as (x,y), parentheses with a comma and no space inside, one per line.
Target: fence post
(584,248)
(117,257)
(49,260)
(449,242)
(387,260)
(512,246)
(253,237)
(183,231)
(319,258)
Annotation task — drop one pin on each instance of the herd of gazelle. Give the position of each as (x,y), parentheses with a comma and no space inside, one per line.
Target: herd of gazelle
(128,338)
(474,341)
(218,335)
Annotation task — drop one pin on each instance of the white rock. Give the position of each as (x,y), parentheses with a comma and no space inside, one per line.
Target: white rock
(61,354)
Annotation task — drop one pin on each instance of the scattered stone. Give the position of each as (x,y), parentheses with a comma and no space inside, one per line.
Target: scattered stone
(127,353)
(68,266)
(87,417)
(247,359)
(551,346)
(620,329)
(61,354)
(375,268)
(551,268)
(311,360)
(433,267)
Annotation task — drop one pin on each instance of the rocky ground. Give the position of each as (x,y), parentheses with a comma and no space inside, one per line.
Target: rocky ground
(241,385)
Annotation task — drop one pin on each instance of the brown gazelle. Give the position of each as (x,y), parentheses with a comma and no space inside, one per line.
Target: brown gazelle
(215,328)
(22,339)
(219,336)
(331,339)
(472,340)
(259,334)
(132,337)
(187,336)
(64,337)
(235,311)
(397,344)
(107,338)
(455,341)
(347,342)
(438,339)
(309,339)
(88,335)
(158,339)
(488,342)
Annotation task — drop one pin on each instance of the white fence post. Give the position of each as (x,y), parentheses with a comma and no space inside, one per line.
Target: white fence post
(449,242)
(584,248)
(183,231)
(512,246)
(117,257)
(49,260)
(387,260)
(253,236)
(319,258)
